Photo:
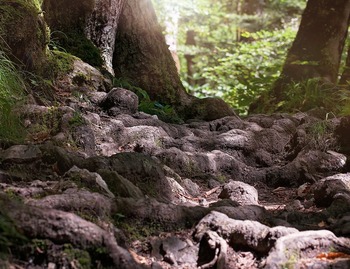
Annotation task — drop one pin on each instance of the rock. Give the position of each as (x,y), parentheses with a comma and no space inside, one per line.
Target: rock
(238,233)
(212,251)
(342,226)
(67,228)
(84,76)
(240,192)
(21,154)
(296,249)
(82,202)
(191,187)
(326,189)
(120,186)
(175,251)
(235,139)
(208,109)
(224,203)
(144,173)
(24,37)
(120,100)
(147,137)
(342,133)
(304,190)
(93,181)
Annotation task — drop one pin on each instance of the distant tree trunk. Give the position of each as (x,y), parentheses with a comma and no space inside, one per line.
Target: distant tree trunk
(142,56)
(190,41)
(345,77)
(172,30)
(101,28)
(317,48)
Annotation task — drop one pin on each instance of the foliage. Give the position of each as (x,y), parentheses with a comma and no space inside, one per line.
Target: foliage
(76,120)
(239,49)
(313,93)
(320,135)
(245,72)
(165,113)
(9,235)
(12,92)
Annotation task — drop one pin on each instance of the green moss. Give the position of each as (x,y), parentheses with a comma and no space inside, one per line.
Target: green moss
(137,229)
(76,120)
(23,32)
(79,79)
(81,256)
(59,63)
(12,92)
(9,234)
(76,43)
(165,113)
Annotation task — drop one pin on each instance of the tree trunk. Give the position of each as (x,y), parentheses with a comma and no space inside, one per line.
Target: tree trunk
(190,41)
(319,43)
(345,77)
(101,28)
(142,57)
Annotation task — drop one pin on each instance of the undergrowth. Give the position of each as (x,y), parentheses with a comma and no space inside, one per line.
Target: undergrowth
(12,93)
(165,113)
(313,93)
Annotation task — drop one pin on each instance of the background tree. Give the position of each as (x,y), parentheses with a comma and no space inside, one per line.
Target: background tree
(142,58)
(239,48)
(315,54)
(318,46)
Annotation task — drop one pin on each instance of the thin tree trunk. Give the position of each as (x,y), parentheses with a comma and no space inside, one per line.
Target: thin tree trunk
(190,41)
(142,56)
(345,77)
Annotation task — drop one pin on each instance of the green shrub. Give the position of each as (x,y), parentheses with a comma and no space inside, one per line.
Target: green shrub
(246,70)
(313,93)
(12,92)
(165,113)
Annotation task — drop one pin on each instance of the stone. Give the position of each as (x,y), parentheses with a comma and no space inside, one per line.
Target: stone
(243,233)
(326,189)
(240,192)
(174,251)
(89,179)
(297,248)
(120,186)
(120,100)
(21,154)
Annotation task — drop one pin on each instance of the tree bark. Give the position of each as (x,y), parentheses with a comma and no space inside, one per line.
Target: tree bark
(317,48)
(345,77)
(101,28)
(142,57)
(190,41)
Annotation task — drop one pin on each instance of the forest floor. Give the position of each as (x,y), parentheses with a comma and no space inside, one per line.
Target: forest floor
(98,186)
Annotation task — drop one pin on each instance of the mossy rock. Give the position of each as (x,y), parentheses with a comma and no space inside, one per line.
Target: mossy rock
(23,33)
(76,43)
(67,21)
(207,109)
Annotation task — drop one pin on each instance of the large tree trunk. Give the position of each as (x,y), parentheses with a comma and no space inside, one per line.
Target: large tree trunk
(101,28)
(142,56)
(319,43)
